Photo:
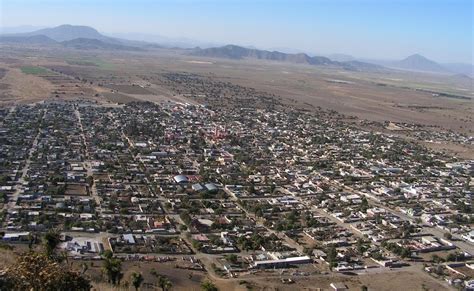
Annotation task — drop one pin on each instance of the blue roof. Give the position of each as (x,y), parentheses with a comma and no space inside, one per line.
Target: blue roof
(211,187)
(197,187)
(129,238)
(180,178)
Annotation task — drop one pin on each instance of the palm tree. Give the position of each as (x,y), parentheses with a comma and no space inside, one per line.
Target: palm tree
(112,267)
(137,280)
(164,283)
(31,240)
(51,240)
(208,286)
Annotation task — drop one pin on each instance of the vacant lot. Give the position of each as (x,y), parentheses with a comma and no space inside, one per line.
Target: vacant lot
(129,89)
(119,98)
(94,62)
(76,189)
(21,87)
(412,279)
(180,278)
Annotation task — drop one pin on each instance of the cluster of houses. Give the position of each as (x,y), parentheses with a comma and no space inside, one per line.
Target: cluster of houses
(275,188)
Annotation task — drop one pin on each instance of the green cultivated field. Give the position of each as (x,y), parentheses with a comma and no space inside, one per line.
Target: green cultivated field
(81,63)
(95,62)
(31,70)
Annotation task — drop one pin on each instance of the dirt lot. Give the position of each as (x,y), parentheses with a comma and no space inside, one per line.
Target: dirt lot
(129,89)
(118,98)
(412,279)
(181,279)
(24,87)
(408,278)
(75,189)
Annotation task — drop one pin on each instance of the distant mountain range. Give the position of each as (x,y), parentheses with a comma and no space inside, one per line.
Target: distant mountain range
(34,39)
(72,36)
(164,41)
(238,53)
(416,62)
(85,37)
(90,43)
(69,32)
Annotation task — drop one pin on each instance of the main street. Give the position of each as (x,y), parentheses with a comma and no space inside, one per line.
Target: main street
(87,162)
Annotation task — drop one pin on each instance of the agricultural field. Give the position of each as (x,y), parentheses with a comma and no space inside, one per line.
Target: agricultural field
(32,70)
(91,62)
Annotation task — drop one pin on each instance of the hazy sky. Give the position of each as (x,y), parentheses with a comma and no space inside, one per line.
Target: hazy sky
(384,29)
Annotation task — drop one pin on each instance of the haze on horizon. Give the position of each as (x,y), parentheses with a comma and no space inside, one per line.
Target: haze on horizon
(392,29)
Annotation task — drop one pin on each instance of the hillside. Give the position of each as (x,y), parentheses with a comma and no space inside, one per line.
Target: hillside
(238,53)
(72,36)
(69,32)
(89,44)
(418,62)
(360,66)
(463,69)
(35,39)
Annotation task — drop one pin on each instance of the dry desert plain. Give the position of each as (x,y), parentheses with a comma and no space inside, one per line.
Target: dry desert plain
(389,95)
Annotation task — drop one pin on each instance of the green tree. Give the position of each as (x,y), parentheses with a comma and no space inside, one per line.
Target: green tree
(136,279)
(436,259)
(208,286)
(164,283)
(50,241)
(447,235)
(332,256)
(364,205)
(272,188)
(232,258)
(361,248)
(405,253)
(112,267)
(4,179)
(90,181)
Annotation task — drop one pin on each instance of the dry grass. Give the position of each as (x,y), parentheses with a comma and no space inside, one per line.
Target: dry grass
(25,87)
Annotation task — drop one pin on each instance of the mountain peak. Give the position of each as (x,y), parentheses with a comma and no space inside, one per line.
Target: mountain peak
(417,57)
(71,27)
(67,32)
(417,62)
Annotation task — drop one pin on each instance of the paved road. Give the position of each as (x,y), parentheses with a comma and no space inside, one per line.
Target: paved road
(87,162)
